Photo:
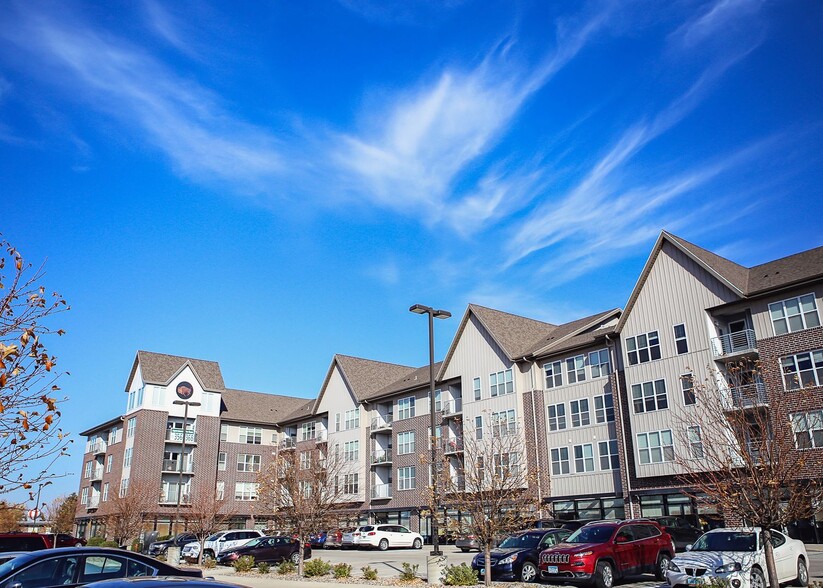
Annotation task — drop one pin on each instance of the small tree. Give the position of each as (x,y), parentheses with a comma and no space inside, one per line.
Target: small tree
(304,491)
(127,510)
(205,514)
(10,517)
(29,415)
(60,512)
(739,452)
(489,483)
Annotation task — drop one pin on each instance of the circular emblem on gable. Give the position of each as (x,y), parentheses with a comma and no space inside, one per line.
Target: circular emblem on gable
(184,390)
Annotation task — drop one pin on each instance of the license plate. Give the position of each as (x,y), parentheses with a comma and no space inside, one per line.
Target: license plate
(552,569)
(694,581)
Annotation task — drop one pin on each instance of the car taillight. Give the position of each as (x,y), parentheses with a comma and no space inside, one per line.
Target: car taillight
(372,533)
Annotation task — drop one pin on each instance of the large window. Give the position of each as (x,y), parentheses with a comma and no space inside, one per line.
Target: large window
(560,461)
(808,429)
(681,343)
(84,496)
(352,419)
(351,484)
(580,412)
(803,370)
(501,383)
(599,363)
(131,426)
(245,491)
(655,447)
(609,459)
(478,394)
(307,431)
(554,374)
(503,423)
(351,451)
(127,458)
(507,464)
(649,396)
(405,408)
(247,462)
(603,408)
(643,348)
(253,435)
(405,442)
(583,458)
(576,369)
(305,460)
(794,314)
(695,437)
(407,478)
(557,417)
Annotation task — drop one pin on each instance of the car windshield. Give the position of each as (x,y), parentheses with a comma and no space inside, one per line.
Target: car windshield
(521,541)
(254,541)
(726,541)
(15,563)
(365,529)
(593,534)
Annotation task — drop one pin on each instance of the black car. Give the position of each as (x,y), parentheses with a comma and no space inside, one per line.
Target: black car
(160,547)
(164,582)
(571,525)
(683,533)
(518,556)
(266,549)
(82,565)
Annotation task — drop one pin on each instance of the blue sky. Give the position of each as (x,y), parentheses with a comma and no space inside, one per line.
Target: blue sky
(266,184)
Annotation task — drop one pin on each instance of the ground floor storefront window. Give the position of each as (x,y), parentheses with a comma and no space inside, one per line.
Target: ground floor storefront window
(589,509)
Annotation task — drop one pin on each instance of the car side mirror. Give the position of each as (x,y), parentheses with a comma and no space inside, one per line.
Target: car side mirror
(689,547)
(16,585)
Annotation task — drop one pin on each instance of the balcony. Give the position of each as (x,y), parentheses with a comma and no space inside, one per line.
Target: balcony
(381,457)
(381,492)
(173,465)
(456,484)
(96,473)
(452,408)
(96,447)
(734,344)
(288,443)
(749,396)
(381,423)
(169,496)
(453,445)
(176,436)
(320,437)
(94,502)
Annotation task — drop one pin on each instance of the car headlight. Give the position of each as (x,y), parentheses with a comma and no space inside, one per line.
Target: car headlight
(728,568)
(673,566)
(583,554)
(508,560)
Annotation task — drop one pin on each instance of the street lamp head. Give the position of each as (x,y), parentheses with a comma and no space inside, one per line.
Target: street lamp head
(186,402)
(421,309)
(442,314)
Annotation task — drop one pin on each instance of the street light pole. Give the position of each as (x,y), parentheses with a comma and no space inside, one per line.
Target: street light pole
(186,404)
(433,314)
(37,513)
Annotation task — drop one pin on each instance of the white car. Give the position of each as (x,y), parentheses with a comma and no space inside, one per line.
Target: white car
(736,557)
(218,542)
(384,536)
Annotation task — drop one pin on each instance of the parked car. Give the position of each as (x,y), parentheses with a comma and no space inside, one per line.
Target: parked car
(466,543)
(334,540)
(49,568)
(384,536)
(266,549)
(218,542)
(318,540)
(66,540)
(351,539)
(600,553)
(558,524)
(518,555)
(735,557)
(160,547)
(164,582)
(25,541)
(682,531)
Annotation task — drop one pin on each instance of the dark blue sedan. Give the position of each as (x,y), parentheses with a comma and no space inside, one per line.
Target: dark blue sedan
(518,556)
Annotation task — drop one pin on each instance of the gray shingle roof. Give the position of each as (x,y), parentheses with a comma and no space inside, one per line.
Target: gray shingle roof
(257,407)
(786,271)
(366,376)
(414,379)
(735,274)
(566,336)
(303,411)
(160,369)
(515,334)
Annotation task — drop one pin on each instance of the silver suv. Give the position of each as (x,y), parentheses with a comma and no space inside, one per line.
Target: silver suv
(218,542)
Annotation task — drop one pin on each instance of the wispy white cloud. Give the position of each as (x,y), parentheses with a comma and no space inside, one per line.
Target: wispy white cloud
(721,19)
(407,12)
(167,26)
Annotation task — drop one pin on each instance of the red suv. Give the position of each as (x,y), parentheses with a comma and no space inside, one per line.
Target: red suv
(602,552)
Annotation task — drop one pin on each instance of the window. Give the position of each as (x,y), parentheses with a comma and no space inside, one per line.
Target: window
(352,419)
(695,442)
(252,435)
(351,451)
(124,487)
(130,426)
(221,461)
(245,491)
(655,447)
(87,471)
(109,463)
(506,464)
(127,458)
(405,442)
(351,484)
(583,458)
(337,422)
(224,432)
(221,490)
(680,341)
(248,462)
(687,386)
(599,363)
(478,394)
(608,455)
(604,408)
(407,478)
(649,396)
(557,417)
(304,488)
(501,383)
(576,369)
(305,460)
(84,496)
(580,412)
(503,423)
(643,348)
(803,369)
(478,427)
(438,400)
(105,492)
(307,431)
(405,408)
(794,314)
(480,465)
(436,439)
(554,374)
(808,429)
(560,461)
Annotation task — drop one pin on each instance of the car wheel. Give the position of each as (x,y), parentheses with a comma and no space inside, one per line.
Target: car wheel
(295,558)
(465,549)
(662,566)
(758,580)
(418,544)
(208,555)
(802,573)
(78,544)
(383,545)
(528,573)
(604,576)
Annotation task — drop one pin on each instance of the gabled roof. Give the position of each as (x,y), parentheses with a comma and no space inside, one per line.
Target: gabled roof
(301,412)
(733,273)
(576,333)
(414,379)
(160,369)
(786,271)
(257,407)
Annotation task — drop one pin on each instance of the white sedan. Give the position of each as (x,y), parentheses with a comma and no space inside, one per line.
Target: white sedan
(736,557)
(384,536)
